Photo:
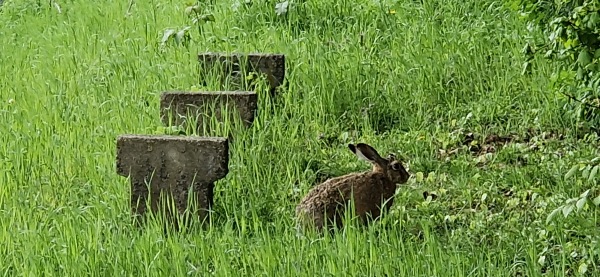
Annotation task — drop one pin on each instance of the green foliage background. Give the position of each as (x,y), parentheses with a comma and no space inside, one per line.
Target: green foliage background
(571,37)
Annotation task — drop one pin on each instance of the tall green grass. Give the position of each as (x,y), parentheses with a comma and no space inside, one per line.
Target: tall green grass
(403,81)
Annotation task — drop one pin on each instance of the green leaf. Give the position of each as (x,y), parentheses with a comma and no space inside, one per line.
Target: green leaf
(583,268)
(571,200)
(580,73)
(572,171)
(586,171)
(580,203)
(190,9)
(596,201)
(593,20)
(542,260)
(526,68)
(168,34)
(552,214)
(585,193)
(570,43)
(590,67)
(207,18)
(593,173)
(584,58)
(567,209)
(182,34)
(282,8)
(419,176)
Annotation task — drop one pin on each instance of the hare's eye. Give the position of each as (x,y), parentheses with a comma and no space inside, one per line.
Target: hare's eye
(395,166)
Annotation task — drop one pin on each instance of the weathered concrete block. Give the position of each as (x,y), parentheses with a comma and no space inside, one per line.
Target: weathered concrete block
(177,106)
(236,67)
(168,166)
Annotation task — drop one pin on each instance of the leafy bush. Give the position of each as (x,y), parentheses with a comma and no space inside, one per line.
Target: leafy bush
(571,30)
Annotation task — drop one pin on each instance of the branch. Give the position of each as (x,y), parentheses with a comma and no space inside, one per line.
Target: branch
(581,102)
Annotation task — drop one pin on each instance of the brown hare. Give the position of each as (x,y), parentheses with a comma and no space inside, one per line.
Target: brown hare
(327,202)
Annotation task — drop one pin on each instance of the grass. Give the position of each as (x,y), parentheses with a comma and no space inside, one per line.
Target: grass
(413,82)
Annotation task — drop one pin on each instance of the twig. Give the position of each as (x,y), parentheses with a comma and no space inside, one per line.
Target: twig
(580,101)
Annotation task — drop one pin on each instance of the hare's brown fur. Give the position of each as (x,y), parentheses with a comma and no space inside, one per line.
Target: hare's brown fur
(327,202)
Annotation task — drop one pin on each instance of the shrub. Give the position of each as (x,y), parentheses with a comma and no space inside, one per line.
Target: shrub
(571,38)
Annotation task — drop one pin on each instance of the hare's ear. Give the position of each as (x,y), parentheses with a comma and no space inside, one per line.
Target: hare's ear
(365,152)
(391,157)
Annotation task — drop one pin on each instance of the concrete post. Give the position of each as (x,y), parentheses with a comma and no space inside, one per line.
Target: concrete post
(160,166)
(175,107)
(237,66)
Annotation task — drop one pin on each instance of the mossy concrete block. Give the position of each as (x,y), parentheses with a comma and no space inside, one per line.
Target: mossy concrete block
(160,166)
(233,69)
(177,107)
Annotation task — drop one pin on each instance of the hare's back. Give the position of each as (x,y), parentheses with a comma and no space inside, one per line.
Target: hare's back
(336,187)
(333,191)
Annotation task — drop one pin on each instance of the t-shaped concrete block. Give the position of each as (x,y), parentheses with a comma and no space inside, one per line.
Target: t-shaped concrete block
(160,166)
(176,107)
(235,67)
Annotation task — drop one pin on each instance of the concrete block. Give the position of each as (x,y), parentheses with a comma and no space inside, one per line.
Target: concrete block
(177,106)
(236,67)
(166,167)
